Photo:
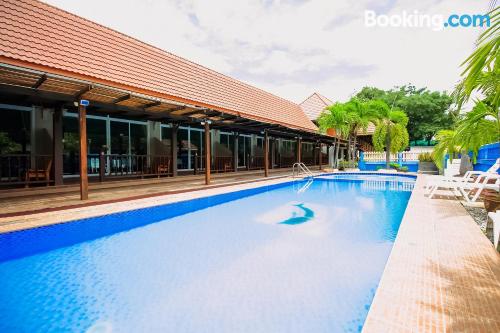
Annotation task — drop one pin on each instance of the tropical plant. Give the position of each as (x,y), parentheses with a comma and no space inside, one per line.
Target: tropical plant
(425,157)
(390,129)
(7,145)
(447,145)
(482,67)
(335,116)
(359,117)
(477,128)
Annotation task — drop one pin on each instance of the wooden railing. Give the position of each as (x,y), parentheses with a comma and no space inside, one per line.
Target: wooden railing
(222,164)
(286,161)
(255,162)
(27,169)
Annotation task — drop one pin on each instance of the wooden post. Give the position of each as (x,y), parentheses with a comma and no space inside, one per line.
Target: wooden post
(299,150)
(102,165)
(57,145)
(195,169)
(266,154)
(235,151)
(208,154)
(320,155)
(173,150)
(272,148)
(84,181)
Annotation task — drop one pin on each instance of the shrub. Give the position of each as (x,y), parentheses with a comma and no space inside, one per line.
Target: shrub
(404,169)
(346,164)
(394,165)
(425,157)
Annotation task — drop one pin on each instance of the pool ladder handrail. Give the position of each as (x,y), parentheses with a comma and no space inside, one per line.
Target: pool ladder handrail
(301,167)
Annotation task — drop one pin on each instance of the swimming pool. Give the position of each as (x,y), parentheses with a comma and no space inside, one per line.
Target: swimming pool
(292,257)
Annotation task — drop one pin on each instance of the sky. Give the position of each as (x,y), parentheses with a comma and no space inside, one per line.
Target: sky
(293,48)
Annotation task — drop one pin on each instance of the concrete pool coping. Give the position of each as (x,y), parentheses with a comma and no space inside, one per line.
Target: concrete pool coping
(443,274)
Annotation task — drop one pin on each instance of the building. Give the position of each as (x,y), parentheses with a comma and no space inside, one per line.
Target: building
(149,112)
(314,105)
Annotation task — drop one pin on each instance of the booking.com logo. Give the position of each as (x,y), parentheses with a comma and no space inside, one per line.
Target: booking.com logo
(418,20)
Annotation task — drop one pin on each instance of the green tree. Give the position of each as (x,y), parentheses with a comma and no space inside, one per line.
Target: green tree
(348,119)
(359,116)
(428,111)
(390,129)
(335,116)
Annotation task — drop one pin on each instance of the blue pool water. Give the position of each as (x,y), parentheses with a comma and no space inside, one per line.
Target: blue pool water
(287,258)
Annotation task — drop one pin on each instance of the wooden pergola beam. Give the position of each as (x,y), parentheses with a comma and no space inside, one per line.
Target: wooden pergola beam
(82,92)
(39,82)
(121,99)
(150,105)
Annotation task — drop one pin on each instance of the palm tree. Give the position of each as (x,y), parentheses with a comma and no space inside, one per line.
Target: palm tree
(359,116)
(390,129)
(478,127)
(335,116)
(446,145)
(482,67)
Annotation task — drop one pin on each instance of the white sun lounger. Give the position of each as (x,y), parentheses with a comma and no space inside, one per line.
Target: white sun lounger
(468,177)
(464,188)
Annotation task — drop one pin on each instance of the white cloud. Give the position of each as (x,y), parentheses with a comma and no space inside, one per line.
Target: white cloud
(295,47)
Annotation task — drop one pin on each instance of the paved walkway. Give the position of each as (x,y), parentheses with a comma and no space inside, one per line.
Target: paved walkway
(91,209)
(39,199)
(443,274)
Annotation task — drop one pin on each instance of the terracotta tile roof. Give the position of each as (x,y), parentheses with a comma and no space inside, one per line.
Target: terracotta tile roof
(314,105)
(39,36)
(369,130)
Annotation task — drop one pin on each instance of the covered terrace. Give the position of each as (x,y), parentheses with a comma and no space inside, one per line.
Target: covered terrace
(69,85)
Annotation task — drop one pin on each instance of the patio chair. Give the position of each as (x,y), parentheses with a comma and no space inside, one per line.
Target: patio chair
(490,181)
(467,177)
(483,181)
(163,169)
(39,174)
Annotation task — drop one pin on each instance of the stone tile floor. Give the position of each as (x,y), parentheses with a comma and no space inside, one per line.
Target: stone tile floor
(443,274)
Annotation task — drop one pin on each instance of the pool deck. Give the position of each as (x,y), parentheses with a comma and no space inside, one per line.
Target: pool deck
(53,209)
(443,275)
(24,201)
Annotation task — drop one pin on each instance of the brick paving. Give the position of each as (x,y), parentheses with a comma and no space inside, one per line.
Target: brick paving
(443,274)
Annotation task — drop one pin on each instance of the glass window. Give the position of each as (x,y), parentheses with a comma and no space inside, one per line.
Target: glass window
(244,149)
(96,135)
(183,148)
(260,142)
(138,139)
(71,146)
(119,137)
(166,140)
(15,131)
(196,146)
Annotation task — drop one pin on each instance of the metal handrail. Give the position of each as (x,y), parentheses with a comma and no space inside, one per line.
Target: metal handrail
(301,167)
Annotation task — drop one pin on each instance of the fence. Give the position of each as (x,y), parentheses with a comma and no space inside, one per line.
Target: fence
(18,169)
(372,161)
(380,156)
